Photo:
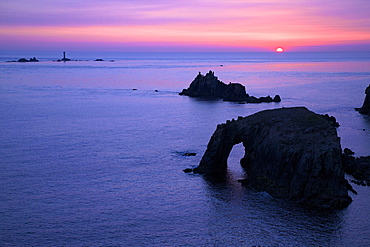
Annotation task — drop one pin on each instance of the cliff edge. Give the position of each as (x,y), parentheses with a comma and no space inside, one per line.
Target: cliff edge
(365,109)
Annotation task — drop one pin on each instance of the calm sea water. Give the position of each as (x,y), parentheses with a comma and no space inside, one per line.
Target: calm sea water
(85,160)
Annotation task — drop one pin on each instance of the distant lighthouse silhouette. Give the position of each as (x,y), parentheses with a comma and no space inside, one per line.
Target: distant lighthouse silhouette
(64,57)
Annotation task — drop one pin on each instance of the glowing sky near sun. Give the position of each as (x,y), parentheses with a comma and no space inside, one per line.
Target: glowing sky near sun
(244,25)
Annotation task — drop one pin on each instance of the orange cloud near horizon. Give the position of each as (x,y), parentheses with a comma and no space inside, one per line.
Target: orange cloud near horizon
(181,35)
(262,25)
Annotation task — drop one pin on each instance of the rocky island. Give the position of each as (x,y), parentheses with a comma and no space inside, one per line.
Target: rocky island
(290,153)
(210,87)
(365,109)
(24,60)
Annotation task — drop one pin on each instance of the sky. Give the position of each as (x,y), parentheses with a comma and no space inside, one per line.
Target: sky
(185,25)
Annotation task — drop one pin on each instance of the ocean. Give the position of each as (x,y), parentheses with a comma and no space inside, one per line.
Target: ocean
(91,152)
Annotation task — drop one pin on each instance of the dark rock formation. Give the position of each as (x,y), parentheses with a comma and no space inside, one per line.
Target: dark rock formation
(358,167)
(348,151)
(189,154)
(332,120)
(365,109)
(23,60)
(210,87)
(289,153)
(187,170)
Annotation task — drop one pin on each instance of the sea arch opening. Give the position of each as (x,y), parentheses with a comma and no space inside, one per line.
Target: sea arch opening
(234,167)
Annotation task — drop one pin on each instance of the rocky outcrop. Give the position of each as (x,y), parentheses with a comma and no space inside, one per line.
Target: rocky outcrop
(358,167)
(23,60)
(365,109)
(289,153)
(210,87)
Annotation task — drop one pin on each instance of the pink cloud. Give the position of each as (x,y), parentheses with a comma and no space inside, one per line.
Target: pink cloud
(236,23)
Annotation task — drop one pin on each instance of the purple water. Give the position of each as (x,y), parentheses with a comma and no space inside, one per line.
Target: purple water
(87,161)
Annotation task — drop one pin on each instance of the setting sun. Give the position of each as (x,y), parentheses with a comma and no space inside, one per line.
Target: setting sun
(279,49)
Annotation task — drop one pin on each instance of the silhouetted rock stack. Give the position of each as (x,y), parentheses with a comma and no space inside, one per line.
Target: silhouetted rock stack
(365,109)
(210,87)
(289,152)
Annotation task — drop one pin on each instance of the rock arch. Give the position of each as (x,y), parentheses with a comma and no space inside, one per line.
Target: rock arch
(289,152)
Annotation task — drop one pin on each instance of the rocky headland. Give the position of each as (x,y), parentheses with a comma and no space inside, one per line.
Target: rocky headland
(210,87)
(290,153)
(365,109)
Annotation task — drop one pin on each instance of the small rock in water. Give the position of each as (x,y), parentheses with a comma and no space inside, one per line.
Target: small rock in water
(348,151)
(189,154)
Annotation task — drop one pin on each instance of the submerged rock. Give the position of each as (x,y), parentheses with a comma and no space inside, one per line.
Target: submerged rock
(290,153)
(189,154)
(365,109)
(209,86)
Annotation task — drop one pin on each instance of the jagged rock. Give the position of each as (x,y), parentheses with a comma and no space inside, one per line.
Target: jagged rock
(277,98)
(23,60)
(289,152)
(209,86)
(332,120)
(358,167)
(365,109)
(348,151)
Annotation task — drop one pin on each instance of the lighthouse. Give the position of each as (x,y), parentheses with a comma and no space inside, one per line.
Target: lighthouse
(64,57)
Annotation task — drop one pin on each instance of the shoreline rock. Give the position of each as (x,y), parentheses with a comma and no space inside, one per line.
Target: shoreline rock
(358,167)
(365,109)
(210,87)
(290,153)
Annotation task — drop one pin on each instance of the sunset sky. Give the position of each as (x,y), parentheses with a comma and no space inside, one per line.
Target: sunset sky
(185,25)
